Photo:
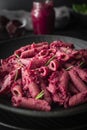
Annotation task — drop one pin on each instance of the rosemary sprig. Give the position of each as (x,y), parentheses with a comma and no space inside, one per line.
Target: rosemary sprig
(69,68)
(18,60)
(40,95)
(17,55)
(72,66)
(81,63)
(50,60)
(16,75)
(20,63)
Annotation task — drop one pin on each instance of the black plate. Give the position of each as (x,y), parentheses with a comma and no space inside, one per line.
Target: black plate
(58,117)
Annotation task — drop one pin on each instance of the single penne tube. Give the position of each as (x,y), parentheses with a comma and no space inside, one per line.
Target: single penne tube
(80,85)
(77,99)
(31,103)
(16,88)
(44,71)
(54,65)
(63,84)
(33,89)
(28,53)
(82,73)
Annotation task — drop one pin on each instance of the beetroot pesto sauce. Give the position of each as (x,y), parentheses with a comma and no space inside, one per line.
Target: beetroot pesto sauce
(43,17)
(36,76)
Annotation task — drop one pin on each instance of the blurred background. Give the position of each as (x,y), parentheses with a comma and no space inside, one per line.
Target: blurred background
(67,21)
(27,4)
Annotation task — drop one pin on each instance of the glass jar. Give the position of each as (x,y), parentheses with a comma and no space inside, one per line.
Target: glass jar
(43,17)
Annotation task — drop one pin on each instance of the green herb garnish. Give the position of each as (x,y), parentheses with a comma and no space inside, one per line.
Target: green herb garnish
(19,63)
(81,63)
(40,95)
(72,66)
(16,75)
(50,60)
(69,68)
(80,8)
(17,55)
(18,60)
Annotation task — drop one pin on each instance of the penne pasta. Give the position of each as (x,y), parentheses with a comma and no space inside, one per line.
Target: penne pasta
(40,75)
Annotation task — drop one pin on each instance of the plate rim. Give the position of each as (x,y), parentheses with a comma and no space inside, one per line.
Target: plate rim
(33,35)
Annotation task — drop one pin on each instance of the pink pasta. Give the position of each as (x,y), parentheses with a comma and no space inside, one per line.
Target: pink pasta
(31,103)
(54,65)
(82,73)
(77,99)
(38,75)
(17,88)
(80,85)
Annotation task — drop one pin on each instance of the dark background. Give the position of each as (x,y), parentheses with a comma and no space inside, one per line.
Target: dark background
(27,4)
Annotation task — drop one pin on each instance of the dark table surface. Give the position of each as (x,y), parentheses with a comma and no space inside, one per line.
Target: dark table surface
(77,31)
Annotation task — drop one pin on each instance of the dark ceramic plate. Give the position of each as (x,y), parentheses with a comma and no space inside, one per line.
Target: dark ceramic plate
(58,117)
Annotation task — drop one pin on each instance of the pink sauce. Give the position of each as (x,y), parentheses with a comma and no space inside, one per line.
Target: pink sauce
(43,17)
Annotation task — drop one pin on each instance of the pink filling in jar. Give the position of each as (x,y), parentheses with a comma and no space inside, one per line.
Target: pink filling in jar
(43,17)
